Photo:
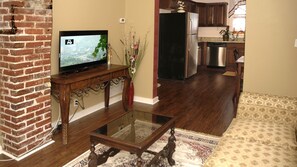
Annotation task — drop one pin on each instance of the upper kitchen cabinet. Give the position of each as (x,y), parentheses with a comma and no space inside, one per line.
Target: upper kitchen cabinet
(168,4)
(201,8)
(212,14)
(190,6)
(221,14)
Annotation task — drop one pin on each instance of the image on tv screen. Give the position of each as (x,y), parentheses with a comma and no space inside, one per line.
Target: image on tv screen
(82,49)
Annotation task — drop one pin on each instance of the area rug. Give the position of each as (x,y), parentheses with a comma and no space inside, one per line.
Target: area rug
(230,73)
(192,149)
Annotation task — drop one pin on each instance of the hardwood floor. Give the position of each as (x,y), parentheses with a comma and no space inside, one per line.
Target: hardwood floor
(202,103)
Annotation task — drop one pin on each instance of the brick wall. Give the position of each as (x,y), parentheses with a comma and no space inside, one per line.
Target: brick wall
(25,75)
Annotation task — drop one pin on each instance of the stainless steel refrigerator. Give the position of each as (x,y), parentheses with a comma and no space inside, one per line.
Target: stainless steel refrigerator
(178,45)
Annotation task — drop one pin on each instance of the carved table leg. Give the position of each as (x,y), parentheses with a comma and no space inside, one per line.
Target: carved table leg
(166,152)
(107,94)
(139,162)
(92,157)
(65,133)
(125,92)
(156,160)
(64,99)
(171,147)
(95,160)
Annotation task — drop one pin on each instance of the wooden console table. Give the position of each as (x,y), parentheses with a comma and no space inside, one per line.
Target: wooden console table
(62,85)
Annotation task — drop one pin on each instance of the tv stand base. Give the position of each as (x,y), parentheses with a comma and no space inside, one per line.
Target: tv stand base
(64,85)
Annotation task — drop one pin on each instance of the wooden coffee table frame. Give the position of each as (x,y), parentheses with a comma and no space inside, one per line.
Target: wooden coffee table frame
(117,145)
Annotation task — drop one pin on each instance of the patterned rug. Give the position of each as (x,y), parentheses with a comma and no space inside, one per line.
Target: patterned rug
(191,150)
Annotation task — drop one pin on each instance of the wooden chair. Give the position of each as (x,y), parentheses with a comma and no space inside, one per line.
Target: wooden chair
(236,54)
(239,83)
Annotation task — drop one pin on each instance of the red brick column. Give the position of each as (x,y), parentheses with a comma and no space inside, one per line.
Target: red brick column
(25,75)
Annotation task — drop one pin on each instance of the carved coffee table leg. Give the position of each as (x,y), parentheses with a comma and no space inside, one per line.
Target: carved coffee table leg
(95,160)
(102,158)
(166,152)
(92,157)
(171,147)
(156,160)
(139,162)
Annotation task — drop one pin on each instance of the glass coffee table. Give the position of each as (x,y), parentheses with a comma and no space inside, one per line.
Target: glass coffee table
(134,131)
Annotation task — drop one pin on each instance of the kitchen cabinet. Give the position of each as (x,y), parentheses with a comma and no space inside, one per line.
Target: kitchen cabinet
(201,9)
(168,4)
(212,14)
(230,61)
(220,15)
(190,6)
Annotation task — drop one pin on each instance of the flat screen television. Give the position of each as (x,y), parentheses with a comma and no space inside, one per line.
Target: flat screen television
(81,50)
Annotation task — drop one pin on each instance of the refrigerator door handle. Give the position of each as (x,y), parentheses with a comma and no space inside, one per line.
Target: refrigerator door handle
(191,26)
(190,33)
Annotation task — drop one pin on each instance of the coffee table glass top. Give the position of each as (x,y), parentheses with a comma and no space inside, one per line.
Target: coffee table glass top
(134,127)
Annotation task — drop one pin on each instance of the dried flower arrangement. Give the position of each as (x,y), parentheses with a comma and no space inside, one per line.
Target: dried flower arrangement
(134,51)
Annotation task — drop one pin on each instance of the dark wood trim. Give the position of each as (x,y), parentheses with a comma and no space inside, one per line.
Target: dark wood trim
(156,50)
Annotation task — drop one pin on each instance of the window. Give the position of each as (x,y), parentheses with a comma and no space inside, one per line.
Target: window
(238,21)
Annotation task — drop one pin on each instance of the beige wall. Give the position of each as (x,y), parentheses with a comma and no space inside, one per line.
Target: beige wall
(86,15)
(140,15)
(105,14)
(271,58)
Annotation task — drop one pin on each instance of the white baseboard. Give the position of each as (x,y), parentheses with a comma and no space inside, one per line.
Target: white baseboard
(146,100)
(29,153)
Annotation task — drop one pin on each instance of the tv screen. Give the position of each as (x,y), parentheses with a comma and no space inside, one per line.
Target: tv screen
(80,50)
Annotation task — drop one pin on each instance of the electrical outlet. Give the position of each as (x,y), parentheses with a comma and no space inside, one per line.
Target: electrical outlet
(295,43)
(75,103)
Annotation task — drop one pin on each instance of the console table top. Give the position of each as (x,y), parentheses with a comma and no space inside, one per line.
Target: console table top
(89,73)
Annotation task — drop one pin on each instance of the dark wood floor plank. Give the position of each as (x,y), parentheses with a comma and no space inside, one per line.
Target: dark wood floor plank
(202,103)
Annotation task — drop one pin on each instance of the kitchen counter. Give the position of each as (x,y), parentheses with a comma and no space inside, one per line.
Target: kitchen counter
(229,41)
(219,40)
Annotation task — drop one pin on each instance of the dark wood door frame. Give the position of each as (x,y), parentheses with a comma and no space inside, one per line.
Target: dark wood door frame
(156,50)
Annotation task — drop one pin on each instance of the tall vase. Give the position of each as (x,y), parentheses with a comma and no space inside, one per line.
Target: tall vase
(131,94)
